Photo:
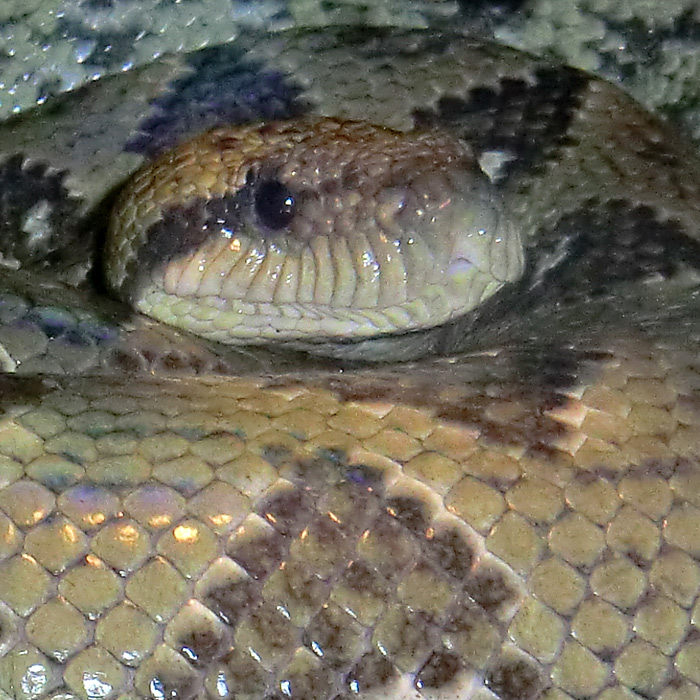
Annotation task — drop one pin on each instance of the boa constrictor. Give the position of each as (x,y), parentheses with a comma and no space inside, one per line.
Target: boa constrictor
(507,506)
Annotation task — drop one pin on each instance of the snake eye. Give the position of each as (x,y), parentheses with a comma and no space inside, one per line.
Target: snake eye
(275,205)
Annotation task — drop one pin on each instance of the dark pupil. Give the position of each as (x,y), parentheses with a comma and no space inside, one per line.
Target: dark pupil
(274,204)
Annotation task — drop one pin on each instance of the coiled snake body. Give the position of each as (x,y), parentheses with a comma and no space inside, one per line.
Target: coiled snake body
(507,506)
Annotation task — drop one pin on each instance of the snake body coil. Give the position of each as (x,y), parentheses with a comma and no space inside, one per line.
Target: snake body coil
(508,509)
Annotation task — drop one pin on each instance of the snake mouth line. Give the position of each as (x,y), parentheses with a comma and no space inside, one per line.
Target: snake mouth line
(312,228)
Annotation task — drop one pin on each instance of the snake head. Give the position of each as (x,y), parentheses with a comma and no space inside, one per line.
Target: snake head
(313,228)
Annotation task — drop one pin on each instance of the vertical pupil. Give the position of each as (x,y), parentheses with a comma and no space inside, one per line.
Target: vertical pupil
(274,204)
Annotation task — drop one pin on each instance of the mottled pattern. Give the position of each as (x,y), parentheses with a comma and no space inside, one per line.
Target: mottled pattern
(650,47)
(291,544)
(525,120)
(50,46)
(521,521)
(41,226)
(618,243)
(219,88)
(524,114)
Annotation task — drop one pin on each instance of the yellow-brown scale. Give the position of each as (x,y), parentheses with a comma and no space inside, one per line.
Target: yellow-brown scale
(356,536)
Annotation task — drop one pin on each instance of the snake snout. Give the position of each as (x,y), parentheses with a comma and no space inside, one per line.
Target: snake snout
(306,229)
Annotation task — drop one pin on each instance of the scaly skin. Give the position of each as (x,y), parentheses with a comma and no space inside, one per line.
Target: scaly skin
(517,520)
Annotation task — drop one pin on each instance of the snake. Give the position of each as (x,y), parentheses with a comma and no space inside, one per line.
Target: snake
(390,387)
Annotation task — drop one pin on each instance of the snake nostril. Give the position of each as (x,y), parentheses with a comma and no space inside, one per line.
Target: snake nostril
(275,204)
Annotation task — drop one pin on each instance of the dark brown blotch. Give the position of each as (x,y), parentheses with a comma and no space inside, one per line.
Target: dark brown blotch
(366,478)
(410,512)
(491,589)
(200,646)
(276,455)
(314,474)
(690,401)
(218,86)
(274,628)
(260,555)
(22,390)
(180,231)
(245,677)
(514,678)
(406,636)
(371,673)
(362,577)
(666,468)
(440,669)
(173,362)
(450,551)
(231,602)
(335,637)
(530,380)
(66,239)
(471,633)
(646,245)
(527,119)
(126,361)
(288,512)
(497,417)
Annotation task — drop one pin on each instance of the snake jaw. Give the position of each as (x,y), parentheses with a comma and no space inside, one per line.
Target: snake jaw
(313,229)
(508,253)
(492,245)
